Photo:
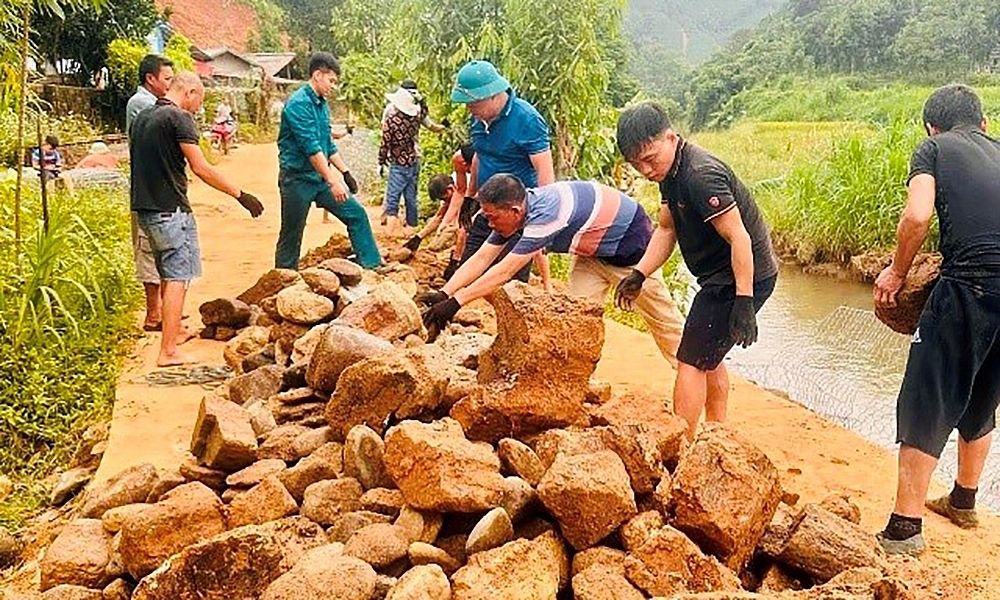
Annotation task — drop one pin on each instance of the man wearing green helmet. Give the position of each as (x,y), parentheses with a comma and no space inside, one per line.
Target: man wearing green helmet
(508,136)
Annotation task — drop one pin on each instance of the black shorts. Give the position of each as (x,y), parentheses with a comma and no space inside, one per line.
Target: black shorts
(706,339)
(478,235)
(952,376)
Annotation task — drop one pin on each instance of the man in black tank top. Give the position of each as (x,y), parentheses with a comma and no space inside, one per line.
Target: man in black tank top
(952,378)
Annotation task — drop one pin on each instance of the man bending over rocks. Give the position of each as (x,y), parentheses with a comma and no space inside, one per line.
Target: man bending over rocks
(605,231)
(725,243)
(162,139)
(952,375)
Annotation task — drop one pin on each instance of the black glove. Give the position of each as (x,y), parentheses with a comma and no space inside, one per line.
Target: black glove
(628,289)
(381,170)
(470,206)
(445,123)
(352,183)
(350,129)
(431,298)
(437,317)
(251,203)
(453,265)
(413,243)
(743,322)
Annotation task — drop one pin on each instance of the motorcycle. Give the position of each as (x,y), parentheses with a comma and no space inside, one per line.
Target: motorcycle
(222,135)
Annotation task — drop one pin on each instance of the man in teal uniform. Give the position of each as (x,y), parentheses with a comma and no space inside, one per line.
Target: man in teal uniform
(312,171)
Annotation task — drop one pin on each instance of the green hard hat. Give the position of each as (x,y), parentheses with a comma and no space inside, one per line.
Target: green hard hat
(477,80)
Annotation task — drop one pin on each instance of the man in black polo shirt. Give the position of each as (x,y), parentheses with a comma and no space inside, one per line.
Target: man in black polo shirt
(952,375)
(725,244)
(163,139)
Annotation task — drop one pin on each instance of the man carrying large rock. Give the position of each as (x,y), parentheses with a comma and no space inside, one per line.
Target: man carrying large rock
(952,375)
(605,230)
(725,243)
(164,140)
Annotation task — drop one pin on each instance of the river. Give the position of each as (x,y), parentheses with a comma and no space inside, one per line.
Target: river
(821,344)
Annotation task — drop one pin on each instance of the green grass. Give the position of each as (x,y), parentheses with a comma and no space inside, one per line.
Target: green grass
(839,98)
(66,304)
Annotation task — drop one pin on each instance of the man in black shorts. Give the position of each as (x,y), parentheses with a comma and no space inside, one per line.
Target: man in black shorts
(163,141)
(725,243)
(952,375)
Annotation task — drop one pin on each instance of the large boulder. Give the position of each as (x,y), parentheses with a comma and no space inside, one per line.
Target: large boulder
(438,469)
(347,272)
(324,501)
(650,416)
(255,473)
(248,341)
(322,574)
(520,569)
(237,564)
(589,495)
(536,374)
(910,302)
(321,281)
(668,563)
(403,385)
(269,284)
(223,437)
(324,463)
(379,544)
(78,556)
(338,348)
(725,492)
(363,458)
(427,582)
(387,312)
(129,486)
(824,544)
(225,312)
(304,347)
(259,384)
(186,515)
(266,501)
(301,305)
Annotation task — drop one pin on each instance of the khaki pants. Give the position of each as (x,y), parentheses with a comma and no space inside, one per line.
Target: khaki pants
(591,279)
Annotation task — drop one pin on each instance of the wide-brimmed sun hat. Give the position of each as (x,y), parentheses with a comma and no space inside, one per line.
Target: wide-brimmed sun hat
(404,101)
(99,148)
(478,80)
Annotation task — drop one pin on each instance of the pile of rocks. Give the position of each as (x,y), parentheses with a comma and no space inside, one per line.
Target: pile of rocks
(350,460)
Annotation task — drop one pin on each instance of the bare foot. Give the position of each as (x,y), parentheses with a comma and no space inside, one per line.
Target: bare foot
(177,358)
(186,335)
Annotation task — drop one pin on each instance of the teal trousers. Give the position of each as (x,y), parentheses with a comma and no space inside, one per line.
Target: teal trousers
(297,194)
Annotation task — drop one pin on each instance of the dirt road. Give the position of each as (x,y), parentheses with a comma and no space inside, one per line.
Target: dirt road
(814,456)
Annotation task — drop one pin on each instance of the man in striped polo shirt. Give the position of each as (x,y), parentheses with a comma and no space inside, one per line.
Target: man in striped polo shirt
(605,231)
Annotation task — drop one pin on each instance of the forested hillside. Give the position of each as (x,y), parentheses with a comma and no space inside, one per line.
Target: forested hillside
(692,30)
(915,41)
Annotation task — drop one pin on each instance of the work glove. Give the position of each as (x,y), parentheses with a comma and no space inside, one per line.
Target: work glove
(431,298)
(352,183)
(628,289)
(413,243)
(470,206)
(445,123)
(350,129)
(381,170)
(251,203)
(437,317)
(743,322)
(453,265)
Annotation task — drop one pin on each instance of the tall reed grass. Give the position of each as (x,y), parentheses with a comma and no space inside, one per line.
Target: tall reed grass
(66,304)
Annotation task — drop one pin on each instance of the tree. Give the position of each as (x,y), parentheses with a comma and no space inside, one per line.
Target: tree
(947,37)
(84,34)
(309,20)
